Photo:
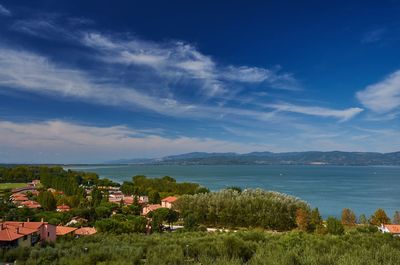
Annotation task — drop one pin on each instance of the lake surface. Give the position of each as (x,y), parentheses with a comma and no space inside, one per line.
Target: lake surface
(330,188)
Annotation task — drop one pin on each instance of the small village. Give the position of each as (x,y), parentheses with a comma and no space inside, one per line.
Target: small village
(24,234)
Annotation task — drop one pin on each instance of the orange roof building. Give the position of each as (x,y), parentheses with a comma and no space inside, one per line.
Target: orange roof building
(128,200)
(392,229)
(168,201)
(18,197)
(150,207)
(9,235)
(63,208)
(31,204)
(85,231)
(14,234)
(65,230)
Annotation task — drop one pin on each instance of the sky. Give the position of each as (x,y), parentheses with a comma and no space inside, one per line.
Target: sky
(92,81)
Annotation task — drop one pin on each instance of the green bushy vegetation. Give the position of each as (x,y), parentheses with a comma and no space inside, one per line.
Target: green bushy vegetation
(250,208)
(165,186)
(246,247)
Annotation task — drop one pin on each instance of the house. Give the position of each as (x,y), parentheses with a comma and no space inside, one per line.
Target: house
(392,229)
(85,231)
(114,200)
(14,237)
(30,204)
(65,230)
(24,189)
(14,234)
(128,200)
(168,202)
(63,208)
(143,199)
(149,208)
(18,198)
(34,183)
(77,220)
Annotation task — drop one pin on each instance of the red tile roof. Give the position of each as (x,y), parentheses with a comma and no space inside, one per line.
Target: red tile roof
(151,207)
(63,230)
(31,204)
(128,199)
(169,199)
(63,207)
(11,231)
(21,230)
(20,199)
(18,195)
(33,225)
(9,235)
(394,229)
(84,231)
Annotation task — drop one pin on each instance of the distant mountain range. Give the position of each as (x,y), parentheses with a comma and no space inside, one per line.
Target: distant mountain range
(269,158)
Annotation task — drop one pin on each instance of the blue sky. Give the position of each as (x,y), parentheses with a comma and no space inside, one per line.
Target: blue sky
(89,81)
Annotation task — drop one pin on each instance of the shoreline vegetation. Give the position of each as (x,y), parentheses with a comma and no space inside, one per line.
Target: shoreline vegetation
(251,226)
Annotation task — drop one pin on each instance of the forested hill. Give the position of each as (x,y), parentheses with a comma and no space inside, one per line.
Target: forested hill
(269,158)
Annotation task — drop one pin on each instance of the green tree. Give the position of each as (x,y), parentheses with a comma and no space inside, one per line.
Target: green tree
(102,212)
(190,222)
(154,197)
(379,217)
(334,226)
(363,219)
(97,196)
(348,217)
(47,200)
(315,219)
(157,218)
(172,217)
(396,218)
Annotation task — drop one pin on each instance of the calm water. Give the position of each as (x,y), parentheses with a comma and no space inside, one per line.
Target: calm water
(330,188)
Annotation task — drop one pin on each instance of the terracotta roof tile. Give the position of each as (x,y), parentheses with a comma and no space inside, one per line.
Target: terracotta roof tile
(84,231)
(63,230)
(394,229)
(170,199)
(9,235)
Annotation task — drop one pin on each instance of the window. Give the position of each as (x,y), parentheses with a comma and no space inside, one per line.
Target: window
(25,237)
(48,234)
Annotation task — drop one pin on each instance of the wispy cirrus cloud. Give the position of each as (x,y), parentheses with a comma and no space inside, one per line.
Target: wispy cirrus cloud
(174,61)
(178,59)
(342,115)
(4,11)
(27,71)
(383,96)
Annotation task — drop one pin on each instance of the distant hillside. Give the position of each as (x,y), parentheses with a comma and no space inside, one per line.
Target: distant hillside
(269,158)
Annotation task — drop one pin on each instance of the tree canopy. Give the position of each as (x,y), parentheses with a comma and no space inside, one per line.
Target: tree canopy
(249,208)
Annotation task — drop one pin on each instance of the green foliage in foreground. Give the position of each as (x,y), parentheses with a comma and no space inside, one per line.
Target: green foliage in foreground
(251,247)
(249,208)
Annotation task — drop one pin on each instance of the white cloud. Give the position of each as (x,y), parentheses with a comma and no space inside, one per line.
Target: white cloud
(384,96)
(171,59)
(65,142)
(4,11)
(27,71)
(342,115)
(31,72)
